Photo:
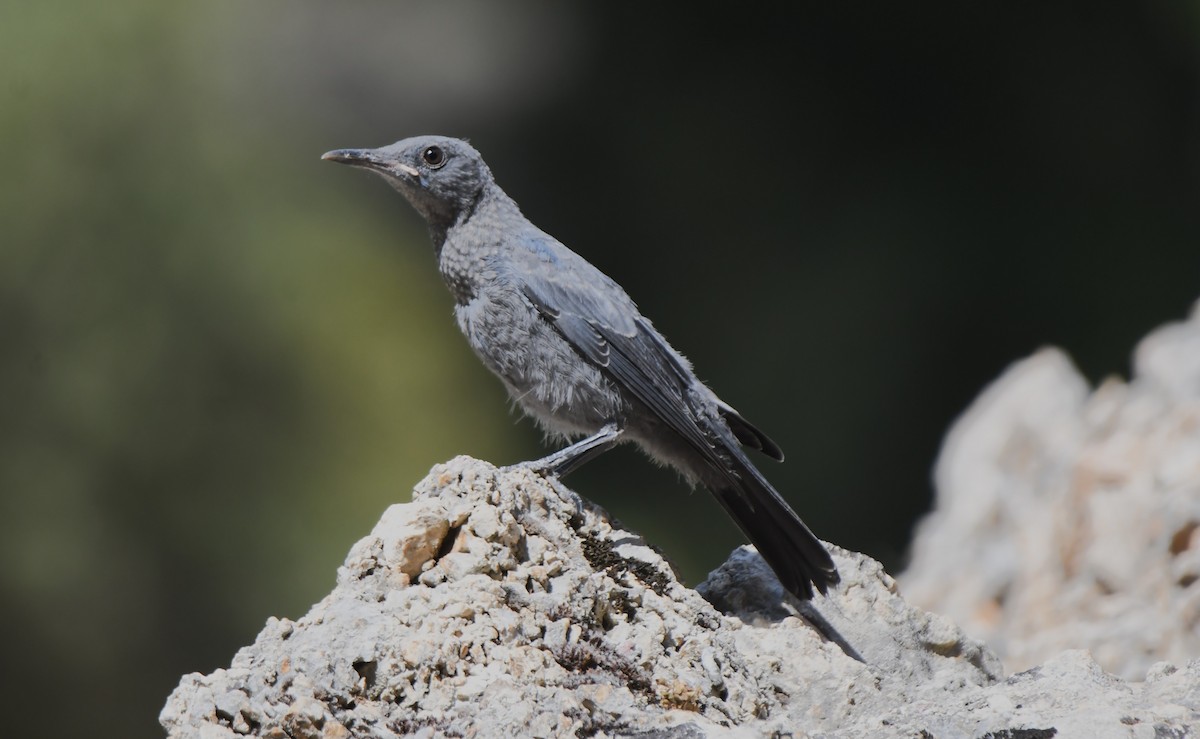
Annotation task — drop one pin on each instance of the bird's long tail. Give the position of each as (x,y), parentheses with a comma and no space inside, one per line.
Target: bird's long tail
(799,559)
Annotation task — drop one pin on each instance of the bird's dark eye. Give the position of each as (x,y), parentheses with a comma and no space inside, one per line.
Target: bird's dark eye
(434,156)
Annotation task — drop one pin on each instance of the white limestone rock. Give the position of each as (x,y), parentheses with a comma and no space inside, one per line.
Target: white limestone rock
(1067,518)
(500,604)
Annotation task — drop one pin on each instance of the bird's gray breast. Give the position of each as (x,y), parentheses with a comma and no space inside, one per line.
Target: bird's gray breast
(464,268)
(543,373)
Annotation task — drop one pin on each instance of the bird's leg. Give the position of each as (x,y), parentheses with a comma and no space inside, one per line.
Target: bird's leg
(567,460)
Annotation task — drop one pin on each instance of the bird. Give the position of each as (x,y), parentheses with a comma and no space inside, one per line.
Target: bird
(576,354)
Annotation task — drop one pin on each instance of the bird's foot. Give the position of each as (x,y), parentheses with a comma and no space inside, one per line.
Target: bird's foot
(567,460)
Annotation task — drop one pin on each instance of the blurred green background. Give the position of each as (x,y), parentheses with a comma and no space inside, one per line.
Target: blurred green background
(222,358)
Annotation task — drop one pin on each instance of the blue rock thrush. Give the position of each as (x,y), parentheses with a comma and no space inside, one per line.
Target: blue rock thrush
(575,353)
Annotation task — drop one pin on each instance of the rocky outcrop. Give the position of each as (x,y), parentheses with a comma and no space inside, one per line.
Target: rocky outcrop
(498,603)
(1069,518)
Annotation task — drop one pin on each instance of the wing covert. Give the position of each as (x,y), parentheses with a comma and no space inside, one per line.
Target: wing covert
(596,316)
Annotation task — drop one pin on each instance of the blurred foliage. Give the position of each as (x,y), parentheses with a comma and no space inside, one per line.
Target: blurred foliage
(218,368)
(223,358)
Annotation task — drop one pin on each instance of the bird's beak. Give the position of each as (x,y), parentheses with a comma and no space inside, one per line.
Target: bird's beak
(354,157)
(369,159)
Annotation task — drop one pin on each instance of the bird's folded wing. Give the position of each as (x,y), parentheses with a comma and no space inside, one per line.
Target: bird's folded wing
(596,316)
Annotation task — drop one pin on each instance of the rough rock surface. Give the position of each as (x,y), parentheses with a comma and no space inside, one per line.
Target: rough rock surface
(1068,518)
(500,604)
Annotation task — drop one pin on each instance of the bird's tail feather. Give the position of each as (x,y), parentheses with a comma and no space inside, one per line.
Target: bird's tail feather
(799,559)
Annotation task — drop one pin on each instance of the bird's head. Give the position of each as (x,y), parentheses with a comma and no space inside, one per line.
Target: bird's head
(442,177)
